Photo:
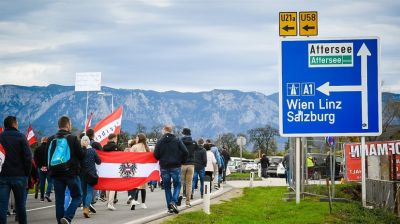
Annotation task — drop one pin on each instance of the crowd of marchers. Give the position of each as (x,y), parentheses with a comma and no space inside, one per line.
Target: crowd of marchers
(66,165)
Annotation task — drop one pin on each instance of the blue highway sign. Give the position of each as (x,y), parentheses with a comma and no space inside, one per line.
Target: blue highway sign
(330,87)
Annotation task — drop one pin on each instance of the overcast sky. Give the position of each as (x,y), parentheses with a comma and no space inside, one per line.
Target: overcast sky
(182,45)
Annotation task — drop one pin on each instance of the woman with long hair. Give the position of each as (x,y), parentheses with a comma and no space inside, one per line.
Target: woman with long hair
(140,146)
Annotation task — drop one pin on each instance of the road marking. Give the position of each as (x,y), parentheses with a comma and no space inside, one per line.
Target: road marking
(41,208)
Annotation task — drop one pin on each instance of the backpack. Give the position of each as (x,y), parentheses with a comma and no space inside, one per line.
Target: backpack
(59,154)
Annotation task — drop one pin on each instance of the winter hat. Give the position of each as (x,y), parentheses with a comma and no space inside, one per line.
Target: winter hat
(186,131)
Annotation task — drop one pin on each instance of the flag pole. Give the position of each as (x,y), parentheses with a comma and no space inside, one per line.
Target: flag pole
(87,105)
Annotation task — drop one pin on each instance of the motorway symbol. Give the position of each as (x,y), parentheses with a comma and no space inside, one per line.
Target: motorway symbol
(332,87)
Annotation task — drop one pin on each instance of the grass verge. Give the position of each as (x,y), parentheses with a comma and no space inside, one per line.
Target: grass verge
(241,176)
(265,205)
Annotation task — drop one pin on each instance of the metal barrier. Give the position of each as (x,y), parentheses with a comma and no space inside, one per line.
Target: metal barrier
(382,193)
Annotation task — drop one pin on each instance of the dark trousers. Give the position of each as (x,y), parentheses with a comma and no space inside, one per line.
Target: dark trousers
(18,185)
(208,177)
(74,186)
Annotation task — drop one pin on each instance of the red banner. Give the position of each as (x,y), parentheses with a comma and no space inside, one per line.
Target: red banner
(353,156)
(109,125)
(122,171)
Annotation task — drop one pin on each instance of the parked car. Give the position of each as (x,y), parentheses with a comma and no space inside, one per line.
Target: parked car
(251,166)
(274,162)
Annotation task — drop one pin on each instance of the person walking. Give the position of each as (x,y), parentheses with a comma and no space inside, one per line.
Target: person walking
(40,158)
(225,155)
(286,164)
(264,165)
(140,146)
(212,166)
(200,162)
(188,167)
(214,149)
(110,147)
(171,153)
(65,169)
(89,175)
(14,169)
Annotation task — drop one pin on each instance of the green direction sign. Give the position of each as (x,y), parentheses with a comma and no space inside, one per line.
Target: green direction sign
(330,55)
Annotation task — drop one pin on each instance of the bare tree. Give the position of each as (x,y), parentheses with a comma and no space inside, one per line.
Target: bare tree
(262,137)
(140,128)
(390,112)
(228,140)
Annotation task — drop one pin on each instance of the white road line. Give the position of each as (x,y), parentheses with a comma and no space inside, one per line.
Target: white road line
(41,208)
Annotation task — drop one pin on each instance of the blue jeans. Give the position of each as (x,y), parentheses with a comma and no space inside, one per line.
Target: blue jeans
(42,182)
(74,186)
(198,174)
(175,175)
(87,194)
(18,185)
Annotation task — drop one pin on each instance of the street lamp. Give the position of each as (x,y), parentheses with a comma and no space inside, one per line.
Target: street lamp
(112,99)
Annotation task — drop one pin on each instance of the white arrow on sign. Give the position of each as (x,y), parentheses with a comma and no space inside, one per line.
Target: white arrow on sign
(326,88)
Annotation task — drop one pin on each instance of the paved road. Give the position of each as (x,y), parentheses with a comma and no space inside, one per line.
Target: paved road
(44,212)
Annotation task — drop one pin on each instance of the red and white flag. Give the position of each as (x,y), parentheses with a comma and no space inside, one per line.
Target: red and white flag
(123,171)
(30,135)
(2,156)
(89,122)
(1,130)
(109,125)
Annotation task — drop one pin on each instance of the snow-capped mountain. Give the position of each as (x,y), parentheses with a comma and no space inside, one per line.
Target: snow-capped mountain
(206,113)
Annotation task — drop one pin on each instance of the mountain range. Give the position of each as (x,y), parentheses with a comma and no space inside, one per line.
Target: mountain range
(206,113)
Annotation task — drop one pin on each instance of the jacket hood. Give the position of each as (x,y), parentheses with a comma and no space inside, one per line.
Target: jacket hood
(168,138)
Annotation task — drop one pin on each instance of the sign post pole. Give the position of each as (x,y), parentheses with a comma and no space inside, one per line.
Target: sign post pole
(298,170)
(363,180)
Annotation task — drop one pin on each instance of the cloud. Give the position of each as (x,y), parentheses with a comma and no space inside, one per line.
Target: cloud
(174,45)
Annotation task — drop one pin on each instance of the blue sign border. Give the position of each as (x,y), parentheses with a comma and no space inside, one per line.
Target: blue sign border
(282,89)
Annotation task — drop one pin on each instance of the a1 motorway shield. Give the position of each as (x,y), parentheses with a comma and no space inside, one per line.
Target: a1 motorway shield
(330,87)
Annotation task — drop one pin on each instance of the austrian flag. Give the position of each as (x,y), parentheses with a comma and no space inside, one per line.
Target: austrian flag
(30,136)
(123,171)
(109,125)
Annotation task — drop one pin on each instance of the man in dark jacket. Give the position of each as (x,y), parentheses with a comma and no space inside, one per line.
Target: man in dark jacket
(40,157)
(68,177)
(264,165)
(188,166)
(16,169)
(171,153)
(200,162)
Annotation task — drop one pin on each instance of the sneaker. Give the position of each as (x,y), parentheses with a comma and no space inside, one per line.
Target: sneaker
(103,199)
(64,221)
(133,206)
(134,202)
(92,208)
(170,211)
(179,201)
(110,207)
(47,198)
(115,201)
(129,200)
(144,206)
(188,205)
(41,199)
(174,208)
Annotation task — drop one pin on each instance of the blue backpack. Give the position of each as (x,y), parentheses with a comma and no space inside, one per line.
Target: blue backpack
(59,154)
